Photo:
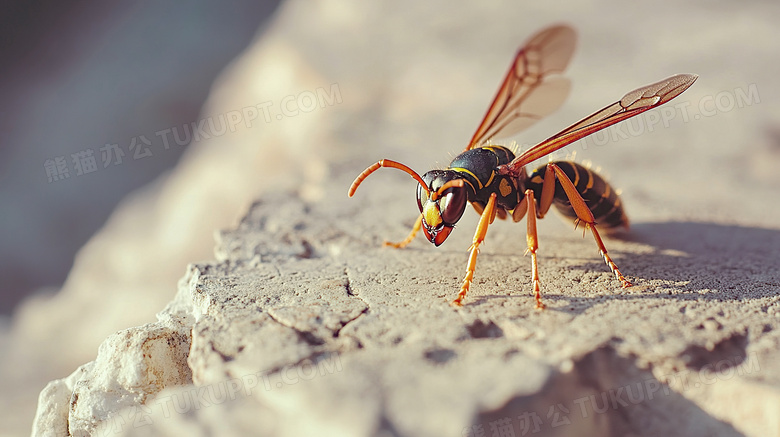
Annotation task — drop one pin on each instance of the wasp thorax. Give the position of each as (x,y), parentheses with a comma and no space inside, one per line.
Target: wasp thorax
(440,209)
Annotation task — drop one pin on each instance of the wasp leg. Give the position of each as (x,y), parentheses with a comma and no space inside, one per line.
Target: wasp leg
(519,212)
(585,215)
(545,200)
(548,191)
(528,205)
(533,246)
(409,238)
(488,214)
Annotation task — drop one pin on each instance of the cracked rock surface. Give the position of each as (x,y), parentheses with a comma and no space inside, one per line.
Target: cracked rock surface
(303,324)
(297,329)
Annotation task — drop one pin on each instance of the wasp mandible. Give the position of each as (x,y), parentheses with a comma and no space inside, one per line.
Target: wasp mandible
(494,181)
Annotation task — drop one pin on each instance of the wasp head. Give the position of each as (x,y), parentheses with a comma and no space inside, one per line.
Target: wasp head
(441,209)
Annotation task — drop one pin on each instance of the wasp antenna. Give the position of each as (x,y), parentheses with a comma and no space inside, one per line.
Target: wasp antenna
(385,163)
(447,185)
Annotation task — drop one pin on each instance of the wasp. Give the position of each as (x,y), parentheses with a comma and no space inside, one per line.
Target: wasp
(495,181)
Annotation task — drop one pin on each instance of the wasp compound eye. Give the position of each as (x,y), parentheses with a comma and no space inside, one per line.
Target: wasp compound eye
(422,196)
(452,204)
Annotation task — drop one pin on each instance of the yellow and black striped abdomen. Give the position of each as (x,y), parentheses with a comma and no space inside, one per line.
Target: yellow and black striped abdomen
(599,195)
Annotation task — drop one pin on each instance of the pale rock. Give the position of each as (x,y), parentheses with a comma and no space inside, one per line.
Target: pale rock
(288,339)
(131,366)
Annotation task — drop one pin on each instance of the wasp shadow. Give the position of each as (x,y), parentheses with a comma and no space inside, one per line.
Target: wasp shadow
(694,261)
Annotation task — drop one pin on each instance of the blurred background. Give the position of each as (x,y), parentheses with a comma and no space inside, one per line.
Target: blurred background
(77,78)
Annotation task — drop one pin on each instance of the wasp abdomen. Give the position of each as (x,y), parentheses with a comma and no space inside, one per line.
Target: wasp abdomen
(600,197)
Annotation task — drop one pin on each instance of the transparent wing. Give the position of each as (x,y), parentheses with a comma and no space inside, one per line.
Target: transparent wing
(633,103)
(528,93)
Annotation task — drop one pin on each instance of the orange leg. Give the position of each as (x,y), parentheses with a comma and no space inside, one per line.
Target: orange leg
(528,205)
(533,246)
(607,259)
(519,212)
(409,238)
(488,214)
(585,215)
(548,190)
